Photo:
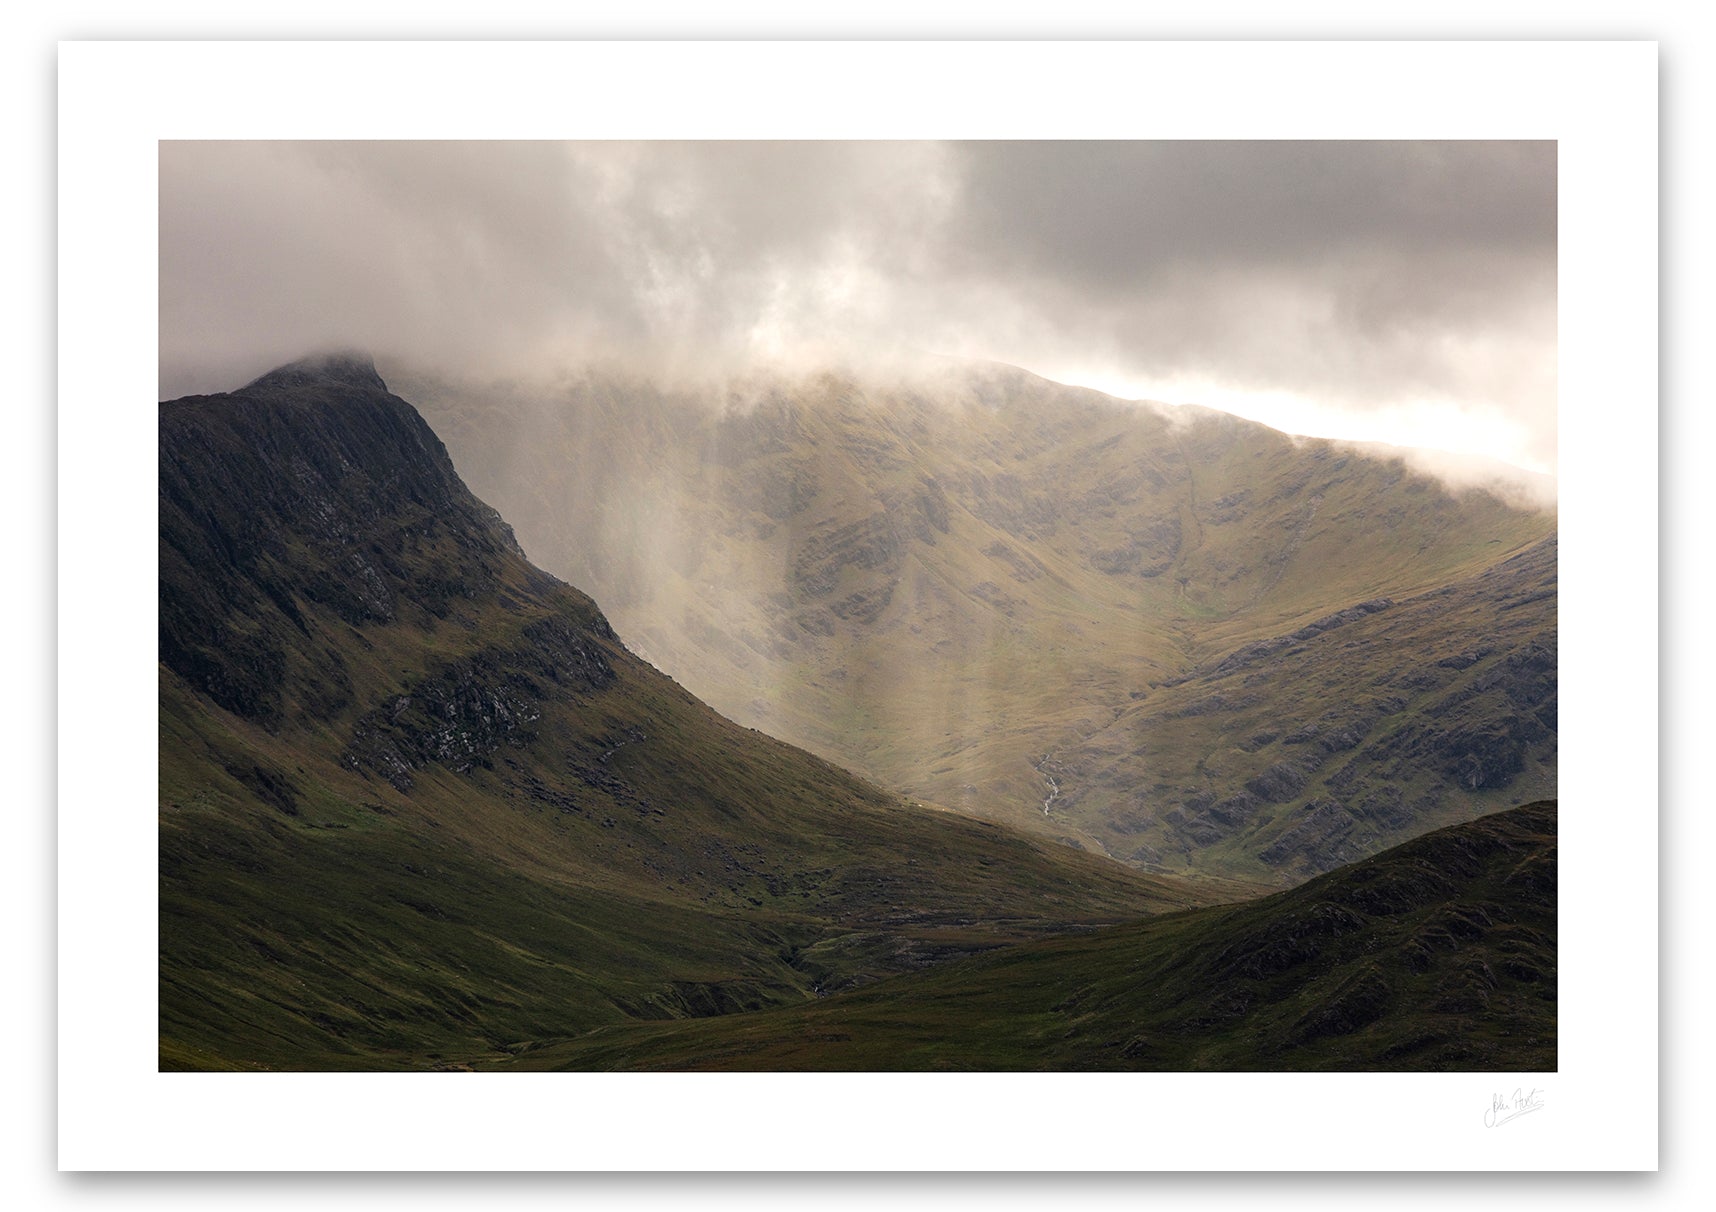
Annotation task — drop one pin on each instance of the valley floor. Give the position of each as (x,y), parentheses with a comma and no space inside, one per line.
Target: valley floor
(1438,955)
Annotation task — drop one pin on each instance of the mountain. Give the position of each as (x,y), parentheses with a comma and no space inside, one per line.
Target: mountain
(1168,635)
(1439,954)
(419,806)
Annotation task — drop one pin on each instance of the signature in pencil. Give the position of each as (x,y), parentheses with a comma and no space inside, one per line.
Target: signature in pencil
(1503,1108)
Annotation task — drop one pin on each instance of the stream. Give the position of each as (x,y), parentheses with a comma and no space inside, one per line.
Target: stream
(1053,784)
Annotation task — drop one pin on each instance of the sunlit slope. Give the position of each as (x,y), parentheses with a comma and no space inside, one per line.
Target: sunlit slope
(1313,748)
(1439,954)
(951,585)
(418,804)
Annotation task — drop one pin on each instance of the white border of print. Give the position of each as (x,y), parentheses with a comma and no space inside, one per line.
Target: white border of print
(117,99)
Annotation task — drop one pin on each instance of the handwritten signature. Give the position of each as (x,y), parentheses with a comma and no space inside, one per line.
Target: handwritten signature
(1504,1108)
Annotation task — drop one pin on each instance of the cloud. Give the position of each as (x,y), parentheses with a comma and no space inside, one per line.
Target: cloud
(1357,275)
(1352,275)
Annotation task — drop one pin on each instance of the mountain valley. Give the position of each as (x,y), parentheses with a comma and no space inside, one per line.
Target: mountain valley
(421,806)
(416,800)
(1167,635)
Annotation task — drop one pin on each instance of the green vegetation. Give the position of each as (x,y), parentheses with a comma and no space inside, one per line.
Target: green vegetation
(1436,955)
(418,806)
(942,583)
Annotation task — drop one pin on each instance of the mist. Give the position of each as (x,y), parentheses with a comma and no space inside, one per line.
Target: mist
(1352,279)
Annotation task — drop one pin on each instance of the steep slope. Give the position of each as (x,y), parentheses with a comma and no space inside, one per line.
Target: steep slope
(417,802)
(1003,594)
(1439,954)
(1304,751)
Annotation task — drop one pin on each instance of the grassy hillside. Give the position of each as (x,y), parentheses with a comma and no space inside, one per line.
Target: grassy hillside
(1436,955)
(1105,622)
(419,806)
(1295,754)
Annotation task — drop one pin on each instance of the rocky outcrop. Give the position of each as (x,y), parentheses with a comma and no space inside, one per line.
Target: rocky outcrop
(1149,552)
(870,544)
(459,715)
(1316,832)
(1251,654)
(778,490)
(311,498)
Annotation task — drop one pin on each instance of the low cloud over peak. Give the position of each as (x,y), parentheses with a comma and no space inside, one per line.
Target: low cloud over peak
(1354,276)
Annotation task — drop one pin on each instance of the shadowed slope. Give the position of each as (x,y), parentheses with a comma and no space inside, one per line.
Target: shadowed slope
(1005,595)
(417,802)
(1438,954)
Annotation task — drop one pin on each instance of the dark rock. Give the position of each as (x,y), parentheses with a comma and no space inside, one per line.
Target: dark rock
(1261,650)
(1286,942)
(1279,784)
(1000,599)
(1149,552)
(1236,810)
(1360,1002)
(1004,502)
(271,786)
(864,606)
(1215,704)
(1464,660)
(270,503)
(1312,838)
(870,543)
(1386,806)
(461,712)
(932,503)
(1489,755)
(1025,567)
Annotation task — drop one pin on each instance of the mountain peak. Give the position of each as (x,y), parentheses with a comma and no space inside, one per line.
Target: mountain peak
(350,368)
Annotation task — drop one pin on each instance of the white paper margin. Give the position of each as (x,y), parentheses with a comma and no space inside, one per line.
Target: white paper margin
(117,99)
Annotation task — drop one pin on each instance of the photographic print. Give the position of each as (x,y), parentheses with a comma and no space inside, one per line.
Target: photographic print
(858,605)
(898,606)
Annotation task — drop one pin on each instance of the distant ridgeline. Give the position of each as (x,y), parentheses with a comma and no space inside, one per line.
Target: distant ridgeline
(1171,636)
(420,808)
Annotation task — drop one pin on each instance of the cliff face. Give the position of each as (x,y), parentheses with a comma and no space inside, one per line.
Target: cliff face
(1172,636)
(418,803)
(312,484)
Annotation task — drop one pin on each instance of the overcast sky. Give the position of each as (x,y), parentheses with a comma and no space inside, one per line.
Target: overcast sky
(1394,291)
